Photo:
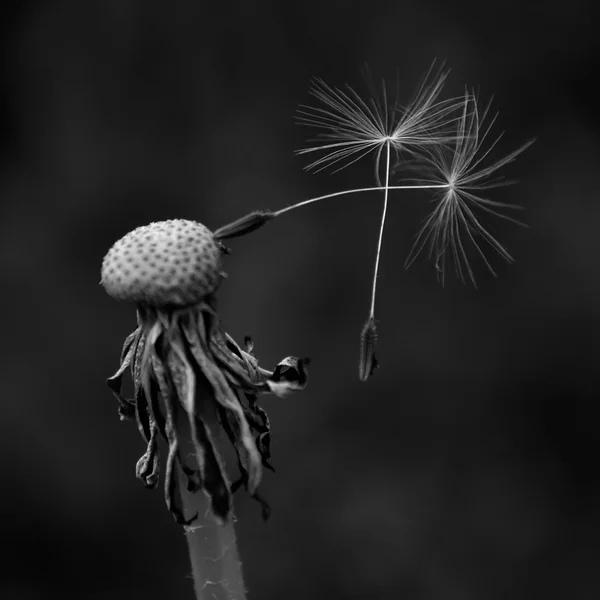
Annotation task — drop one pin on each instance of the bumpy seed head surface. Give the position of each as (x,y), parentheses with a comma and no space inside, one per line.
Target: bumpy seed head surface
(174,262)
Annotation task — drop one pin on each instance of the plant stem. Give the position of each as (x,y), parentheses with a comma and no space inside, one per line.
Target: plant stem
(216,565)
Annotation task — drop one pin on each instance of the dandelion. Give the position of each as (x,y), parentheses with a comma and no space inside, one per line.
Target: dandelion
(454,222)
(188,379)
(193,384)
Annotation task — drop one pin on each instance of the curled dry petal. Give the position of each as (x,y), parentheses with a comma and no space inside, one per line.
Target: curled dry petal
(182,363)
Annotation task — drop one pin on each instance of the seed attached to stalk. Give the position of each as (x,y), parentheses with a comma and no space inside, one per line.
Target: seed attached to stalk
(442,141)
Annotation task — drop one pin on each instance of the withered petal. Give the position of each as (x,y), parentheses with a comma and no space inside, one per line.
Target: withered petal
(171,353)
(167,392)
(212,470)
(171,489)
(126,407)
(129,342)
(230,426)
(290,376)
(144,420)
(156,372)
(136,365)
(260,422)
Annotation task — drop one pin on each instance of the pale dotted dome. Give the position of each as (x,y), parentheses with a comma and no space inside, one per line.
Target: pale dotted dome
(173,262)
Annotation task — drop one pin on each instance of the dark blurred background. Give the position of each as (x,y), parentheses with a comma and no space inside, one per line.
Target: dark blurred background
(464,469)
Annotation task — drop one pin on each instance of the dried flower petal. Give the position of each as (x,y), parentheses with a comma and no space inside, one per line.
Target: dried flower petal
(126,407)
(170,354)
(147,467)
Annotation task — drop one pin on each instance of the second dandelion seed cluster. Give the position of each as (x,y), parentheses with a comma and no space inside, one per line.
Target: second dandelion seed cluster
(443,143)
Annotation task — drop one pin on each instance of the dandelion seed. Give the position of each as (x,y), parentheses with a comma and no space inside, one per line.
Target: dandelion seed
(352,127)
(454,223)
(443,138)
(246,224)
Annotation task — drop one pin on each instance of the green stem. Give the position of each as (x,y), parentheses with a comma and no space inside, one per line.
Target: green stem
(216,565)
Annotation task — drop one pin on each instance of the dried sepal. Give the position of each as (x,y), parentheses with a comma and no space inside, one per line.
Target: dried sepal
(169,398)
(143,417)
(214,479)
(230,428)
(126,407)
(148,466)
(129,344)
(259,423)
(211,468)
(136,366)
(170,355)
(240,368)
(226,397)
